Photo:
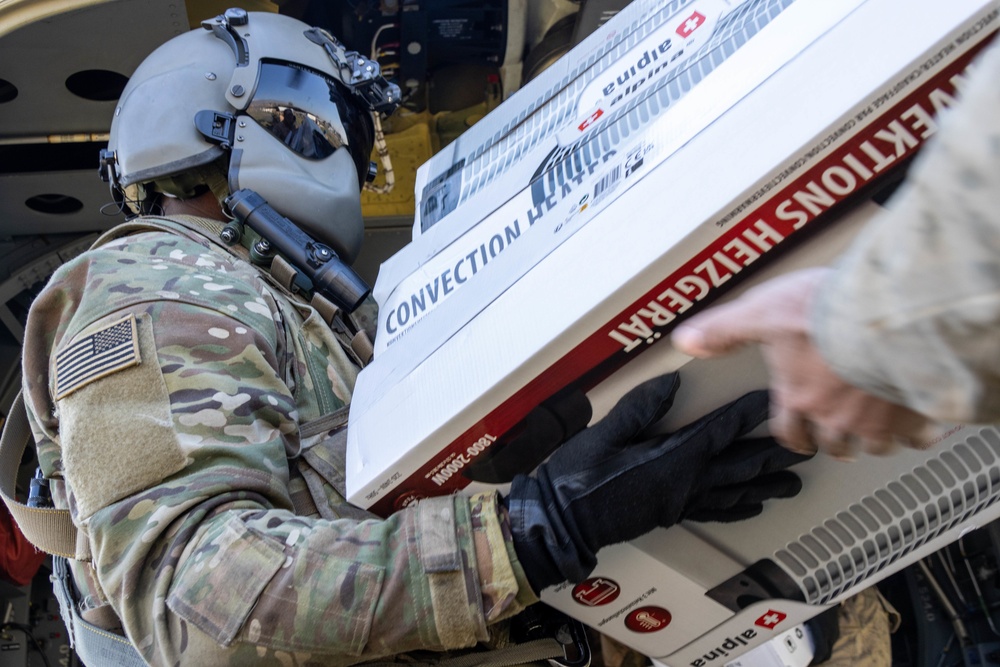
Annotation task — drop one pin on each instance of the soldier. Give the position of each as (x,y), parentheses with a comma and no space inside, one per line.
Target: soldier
(188,397)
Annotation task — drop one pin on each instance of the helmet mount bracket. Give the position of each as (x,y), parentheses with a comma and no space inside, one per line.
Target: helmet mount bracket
(224,27)
(363,75)
(109,174)
(106,167)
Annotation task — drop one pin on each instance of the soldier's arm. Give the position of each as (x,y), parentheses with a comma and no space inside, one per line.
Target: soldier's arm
(178,472)
(912,312)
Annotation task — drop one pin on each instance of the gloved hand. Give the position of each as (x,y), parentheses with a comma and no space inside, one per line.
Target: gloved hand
(612,482)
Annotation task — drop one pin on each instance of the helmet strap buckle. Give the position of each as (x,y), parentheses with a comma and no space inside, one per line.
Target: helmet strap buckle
(216,126)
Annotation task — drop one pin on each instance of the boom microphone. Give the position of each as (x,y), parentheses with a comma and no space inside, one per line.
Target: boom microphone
(330,276)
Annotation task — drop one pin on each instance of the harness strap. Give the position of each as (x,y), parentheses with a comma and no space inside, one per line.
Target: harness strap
(520,654)
(528,653)
(363,347)
(93,645)
(49,529)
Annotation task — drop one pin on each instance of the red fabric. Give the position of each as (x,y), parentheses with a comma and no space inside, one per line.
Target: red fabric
(19,560)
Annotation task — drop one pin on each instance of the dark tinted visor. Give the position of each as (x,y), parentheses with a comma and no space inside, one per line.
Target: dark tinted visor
(311,114)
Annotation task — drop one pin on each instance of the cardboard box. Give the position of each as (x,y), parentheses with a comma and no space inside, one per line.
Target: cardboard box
(831,117)
(763,166)
(573,139)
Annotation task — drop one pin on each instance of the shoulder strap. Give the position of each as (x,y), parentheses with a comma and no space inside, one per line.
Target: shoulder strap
(93,645)
(538,652)
(49,529)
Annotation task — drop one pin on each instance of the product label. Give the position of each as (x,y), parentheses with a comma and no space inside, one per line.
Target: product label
(595,154)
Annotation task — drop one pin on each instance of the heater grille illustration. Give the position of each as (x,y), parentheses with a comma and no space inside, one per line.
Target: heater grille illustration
(891,522)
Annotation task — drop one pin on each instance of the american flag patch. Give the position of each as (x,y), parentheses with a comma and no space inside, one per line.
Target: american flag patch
(113,348)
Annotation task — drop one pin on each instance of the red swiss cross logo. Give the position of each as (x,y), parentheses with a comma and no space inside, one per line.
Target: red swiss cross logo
(591,119)
(770,619)
(690,24)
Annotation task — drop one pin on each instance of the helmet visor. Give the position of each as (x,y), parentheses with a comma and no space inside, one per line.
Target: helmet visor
(311,114)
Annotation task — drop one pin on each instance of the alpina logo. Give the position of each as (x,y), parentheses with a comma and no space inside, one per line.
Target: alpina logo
(723,651)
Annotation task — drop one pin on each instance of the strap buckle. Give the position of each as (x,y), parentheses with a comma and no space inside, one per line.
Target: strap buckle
(540,621)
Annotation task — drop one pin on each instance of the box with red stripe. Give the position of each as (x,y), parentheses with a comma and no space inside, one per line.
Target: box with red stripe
(772,162)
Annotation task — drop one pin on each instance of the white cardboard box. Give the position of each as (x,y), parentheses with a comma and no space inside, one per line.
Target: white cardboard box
(534,164)
(568,306)
(757,169)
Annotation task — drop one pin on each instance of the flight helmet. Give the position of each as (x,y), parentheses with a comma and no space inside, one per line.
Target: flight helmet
(255,101)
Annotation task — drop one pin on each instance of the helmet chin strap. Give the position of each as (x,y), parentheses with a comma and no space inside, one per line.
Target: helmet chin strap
(329,275)
(218,183)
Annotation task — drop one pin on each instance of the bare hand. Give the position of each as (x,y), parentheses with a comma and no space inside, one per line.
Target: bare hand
(811,406)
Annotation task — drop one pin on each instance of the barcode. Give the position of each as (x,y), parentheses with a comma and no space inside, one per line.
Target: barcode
(607,182)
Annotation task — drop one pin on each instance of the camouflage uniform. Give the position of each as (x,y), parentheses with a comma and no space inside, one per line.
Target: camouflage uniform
(866,622)
(208,479)
(913,313)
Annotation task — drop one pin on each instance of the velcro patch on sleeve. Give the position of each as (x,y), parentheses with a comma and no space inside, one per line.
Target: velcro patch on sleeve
(108,350)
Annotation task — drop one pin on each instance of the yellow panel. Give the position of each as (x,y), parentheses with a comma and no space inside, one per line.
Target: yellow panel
(17,13)
(408,149)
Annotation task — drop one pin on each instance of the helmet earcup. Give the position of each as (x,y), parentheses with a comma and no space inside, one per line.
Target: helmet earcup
(153,133)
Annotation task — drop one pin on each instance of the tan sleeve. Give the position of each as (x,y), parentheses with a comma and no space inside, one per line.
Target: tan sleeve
(913,312)
(504,586)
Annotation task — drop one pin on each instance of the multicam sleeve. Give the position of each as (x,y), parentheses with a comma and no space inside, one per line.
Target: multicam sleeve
(504,585)
(912,313)
(178,470)
(210,565)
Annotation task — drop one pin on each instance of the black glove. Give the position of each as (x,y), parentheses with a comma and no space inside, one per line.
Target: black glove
(611,482)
